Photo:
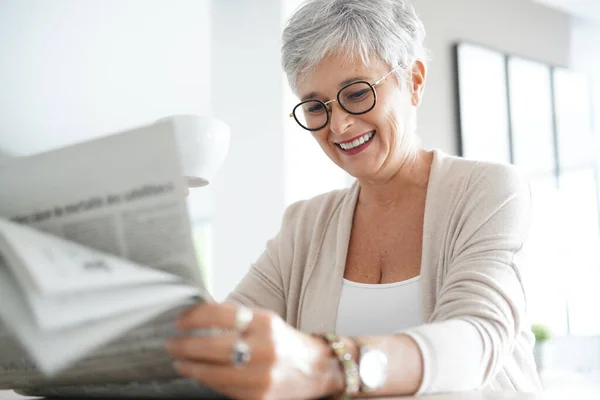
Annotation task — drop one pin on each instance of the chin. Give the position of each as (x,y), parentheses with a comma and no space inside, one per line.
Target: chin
(361,173)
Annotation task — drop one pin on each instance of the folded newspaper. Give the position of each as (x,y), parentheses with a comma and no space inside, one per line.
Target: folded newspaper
(96,263)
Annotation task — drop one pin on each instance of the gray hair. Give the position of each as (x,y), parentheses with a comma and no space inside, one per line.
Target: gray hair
(388,30)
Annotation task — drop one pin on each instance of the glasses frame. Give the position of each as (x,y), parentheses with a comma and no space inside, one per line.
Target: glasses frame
(327,104)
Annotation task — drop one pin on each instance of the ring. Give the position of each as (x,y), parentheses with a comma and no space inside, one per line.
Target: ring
(243,318)
(240,354)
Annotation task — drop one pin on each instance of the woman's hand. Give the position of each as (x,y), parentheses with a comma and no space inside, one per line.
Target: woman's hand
(283,362)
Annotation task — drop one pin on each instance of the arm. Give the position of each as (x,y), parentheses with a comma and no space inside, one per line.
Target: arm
(478,314)
(481,305)
(405,366)
(480,308)
(262,286)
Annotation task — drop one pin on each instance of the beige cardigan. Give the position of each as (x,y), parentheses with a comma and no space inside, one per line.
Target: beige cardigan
(477,218)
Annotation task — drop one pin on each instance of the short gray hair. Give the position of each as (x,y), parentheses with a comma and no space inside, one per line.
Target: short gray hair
(388,30)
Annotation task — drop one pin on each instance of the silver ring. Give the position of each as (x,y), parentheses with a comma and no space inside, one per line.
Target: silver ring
(243,318)
(240,354)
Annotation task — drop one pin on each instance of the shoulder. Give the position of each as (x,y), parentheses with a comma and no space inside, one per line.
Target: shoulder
(305,226)
(317,210)
(476,196)
(480,179)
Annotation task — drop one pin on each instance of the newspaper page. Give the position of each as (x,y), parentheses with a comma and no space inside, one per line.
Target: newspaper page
(124,195)
(175,388)
(65,284)
(133,366)
(52,266)
(54,350)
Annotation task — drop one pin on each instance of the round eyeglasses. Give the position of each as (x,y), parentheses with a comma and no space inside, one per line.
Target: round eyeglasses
(355,98)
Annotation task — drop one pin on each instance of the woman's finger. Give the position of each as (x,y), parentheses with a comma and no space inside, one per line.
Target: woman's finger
(218,349)
(208,315)
(220,377)
(210,349)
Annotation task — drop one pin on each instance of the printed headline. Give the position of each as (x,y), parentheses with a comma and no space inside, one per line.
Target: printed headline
(95,202)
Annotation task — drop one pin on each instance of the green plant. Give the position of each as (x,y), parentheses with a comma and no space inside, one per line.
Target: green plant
(541,332)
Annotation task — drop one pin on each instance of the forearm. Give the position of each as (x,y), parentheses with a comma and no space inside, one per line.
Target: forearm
(405,365)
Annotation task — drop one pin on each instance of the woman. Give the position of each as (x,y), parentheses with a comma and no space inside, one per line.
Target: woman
(416,266)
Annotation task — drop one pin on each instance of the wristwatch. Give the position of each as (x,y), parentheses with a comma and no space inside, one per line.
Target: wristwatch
(372,368)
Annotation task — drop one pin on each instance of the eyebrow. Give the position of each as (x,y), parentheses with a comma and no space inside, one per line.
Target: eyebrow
(343,83)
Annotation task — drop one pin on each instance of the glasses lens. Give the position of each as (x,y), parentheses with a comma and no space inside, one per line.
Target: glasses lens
(311,114)
(357,98)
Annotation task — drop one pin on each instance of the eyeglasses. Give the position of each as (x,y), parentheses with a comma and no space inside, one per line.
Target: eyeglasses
(355,98)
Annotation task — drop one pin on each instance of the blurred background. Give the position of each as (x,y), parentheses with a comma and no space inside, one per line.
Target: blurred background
(509,80)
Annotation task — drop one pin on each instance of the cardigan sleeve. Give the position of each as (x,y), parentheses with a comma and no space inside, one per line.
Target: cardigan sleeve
(262,286)
(265,283)
(480,303)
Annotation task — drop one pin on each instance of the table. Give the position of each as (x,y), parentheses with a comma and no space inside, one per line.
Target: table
(10,395)
(574,394)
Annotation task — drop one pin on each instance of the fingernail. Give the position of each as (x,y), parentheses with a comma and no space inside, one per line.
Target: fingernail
(170,346)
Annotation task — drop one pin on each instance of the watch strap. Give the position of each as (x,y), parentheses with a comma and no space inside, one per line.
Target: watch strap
(347,363)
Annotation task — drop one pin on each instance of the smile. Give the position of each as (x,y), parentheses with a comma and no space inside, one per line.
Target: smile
(357,144)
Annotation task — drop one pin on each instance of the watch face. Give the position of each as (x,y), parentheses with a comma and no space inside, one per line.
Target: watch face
(373,368)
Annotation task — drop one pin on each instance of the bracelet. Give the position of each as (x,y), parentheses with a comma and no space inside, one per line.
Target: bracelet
(349,366)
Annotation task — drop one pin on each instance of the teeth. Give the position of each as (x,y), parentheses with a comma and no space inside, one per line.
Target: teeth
(357,142)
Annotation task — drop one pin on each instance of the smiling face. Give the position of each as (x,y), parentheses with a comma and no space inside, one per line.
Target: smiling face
(374,145)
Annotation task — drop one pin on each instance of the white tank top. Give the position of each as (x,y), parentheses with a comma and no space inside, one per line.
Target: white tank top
(379,309)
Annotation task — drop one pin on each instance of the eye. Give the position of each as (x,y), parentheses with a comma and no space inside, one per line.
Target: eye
(357,95)
(315,108)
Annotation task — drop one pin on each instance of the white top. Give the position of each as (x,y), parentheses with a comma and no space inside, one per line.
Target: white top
(379,309)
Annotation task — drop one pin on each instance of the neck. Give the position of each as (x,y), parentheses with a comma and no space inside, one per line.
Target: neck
(412,174)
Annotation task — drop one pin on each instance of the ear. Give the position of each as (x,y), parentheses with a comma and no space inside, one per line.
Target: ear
(418,75)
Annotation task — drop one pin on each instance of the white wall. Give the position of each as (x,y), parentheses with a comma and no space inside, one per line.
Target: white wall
(587,9)
(585,58)
(247,93)
(71,70)
(514,26)
(583,353)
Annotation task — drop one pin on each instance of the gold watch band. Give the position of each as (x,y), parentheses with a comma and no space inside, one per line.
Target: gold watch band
(347,363)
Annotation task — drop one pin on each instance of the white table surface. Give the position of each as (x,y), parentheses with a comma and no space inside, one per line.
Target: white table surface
(550,395)
(559,385)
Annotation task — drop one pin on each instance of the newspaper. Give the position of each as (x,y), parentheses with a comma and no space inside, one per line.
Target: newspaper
(69,216)
(122,194)
(176,388)
(134,366)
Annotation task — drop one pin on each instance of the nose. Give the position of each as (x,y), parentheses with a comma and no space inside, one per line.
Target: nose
(339,119)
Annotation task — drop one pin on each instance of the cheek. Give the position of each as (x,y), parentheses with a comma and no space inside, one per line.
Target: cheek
(394,118)
(392,127)
(388,122)
(393,121)
(321,138)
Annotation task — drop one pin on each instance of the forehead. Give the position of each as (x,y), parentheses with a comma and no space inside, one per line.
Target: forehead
(334,71)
